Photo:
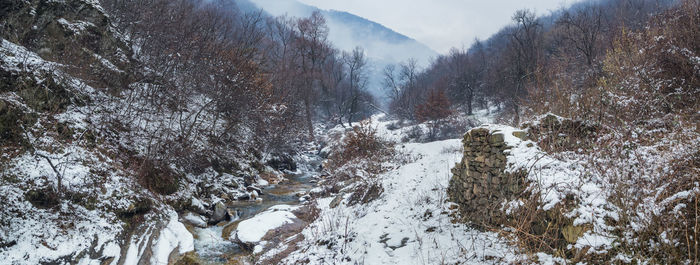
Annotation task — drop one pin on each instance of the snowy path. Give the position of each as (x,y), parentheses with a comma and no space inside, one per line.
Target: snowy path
(408,224)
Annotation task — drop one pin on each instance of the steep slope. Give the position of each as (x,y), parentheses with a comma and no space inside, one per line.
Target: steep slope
(80,176)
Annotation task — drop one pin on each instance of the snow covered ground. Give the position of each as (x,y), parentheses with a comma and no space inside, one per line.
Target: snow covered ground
(86,224)
(409,223)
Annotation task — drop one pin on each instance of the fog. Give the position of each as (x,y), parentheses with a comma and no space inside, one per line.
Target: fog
(382,46)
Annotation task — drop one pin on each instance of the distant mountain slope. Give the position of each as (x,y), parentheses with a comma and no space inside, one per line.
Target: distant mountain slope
(347,31)
(364,27)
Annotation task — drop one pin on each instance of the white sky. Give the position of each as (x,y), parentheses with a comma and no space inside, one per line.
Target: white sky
(441,24)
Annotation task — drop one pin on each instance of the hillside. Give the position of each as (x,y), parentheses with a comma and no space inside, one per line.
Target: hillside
(98,154)
(208,132)
(382,45)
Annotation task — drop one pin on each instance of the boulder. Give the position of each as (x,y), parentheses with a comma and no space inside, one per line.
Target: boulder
(496,138)
(194,219)
(282,162)
(219,213)
(336,201)
(522,135)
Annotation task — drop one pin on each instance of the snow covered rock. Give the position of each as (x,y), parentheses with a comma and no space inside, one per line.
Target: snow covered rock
(250,232)
(174,237)
(219,212)
(194,219)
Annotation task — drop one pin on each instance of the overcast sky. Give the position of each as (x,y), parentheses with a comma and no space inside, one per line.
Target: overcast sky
(441,24)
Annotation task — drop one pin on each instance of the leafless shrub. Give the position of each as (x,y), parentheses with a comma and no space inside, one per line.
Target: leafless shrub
(362,143)
(156,176)
(366,192)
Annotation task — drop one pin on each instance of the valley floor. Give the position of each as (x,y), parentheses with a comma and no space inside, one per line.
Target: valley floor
(409,223)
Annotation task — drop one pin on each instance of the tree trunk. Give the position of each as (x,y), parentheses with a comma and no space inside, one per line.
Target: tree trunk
(470,98)
(352,110)
(309,124)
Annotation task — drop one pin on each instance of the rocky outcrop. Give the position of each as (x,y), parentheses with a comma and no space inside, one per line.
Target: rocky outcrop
(75,33)
(480,185)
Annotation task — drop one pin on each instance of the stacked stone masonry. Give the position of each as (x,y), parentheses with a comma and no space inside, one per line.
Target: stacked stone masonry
(479,184)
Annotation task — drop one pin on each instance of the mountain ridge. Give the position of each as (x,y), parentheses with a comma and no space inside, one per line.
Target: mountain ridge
(382,45)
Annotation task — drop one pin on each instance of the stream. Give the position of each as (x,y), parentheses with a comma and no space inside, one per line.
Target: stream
(210,245)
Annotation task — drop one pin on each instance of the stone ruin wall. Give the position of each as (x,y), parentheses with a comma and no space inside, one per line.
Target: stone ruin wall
(479,184)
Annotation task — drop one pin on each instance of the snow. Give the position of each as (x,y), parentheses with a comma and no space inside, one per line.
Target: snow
(40,238)
(596,241)
(209,243)
(173,236)
(77,26)
(134,252)
(196,220)
(254,229)
(18,58)
(408,224)
(197,204)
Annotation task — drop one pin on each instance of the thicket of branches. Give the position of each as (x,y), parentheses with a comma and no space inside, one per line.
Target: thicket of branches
(630,69)
(227,79)
(514,64)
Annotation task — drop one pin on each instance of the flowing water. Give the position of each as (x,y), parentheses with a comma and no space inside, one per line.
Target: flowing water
(210,245)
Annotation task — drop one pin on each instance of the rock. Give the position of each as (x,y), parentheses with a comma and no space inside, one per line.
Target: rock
(197,206)
(550,121)
(282,162)
(219,213)
(254,189)
(194,219)
(228,229)
(478,132)
(572,233)
(479,183)
(232,213)
(336,201)
(496,138)
(107,261)
(522,135)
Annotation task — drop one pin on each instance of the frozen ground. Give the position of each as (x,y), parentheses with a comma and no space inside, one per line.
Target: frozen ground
(409,223)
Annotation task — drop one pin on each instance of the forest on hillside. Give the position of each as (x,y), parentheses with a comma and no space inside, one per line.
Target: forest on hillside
(198,132)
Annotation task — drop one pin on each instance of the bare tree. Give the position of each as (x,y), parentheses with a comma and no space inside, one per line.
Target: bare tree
(466,80)
(356,63)
(314,48)
(523,55)
(402,84)
(582,29)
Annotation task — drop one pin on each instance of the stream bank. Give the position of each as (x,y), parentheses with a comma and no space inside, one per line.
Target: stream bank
(278,208)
